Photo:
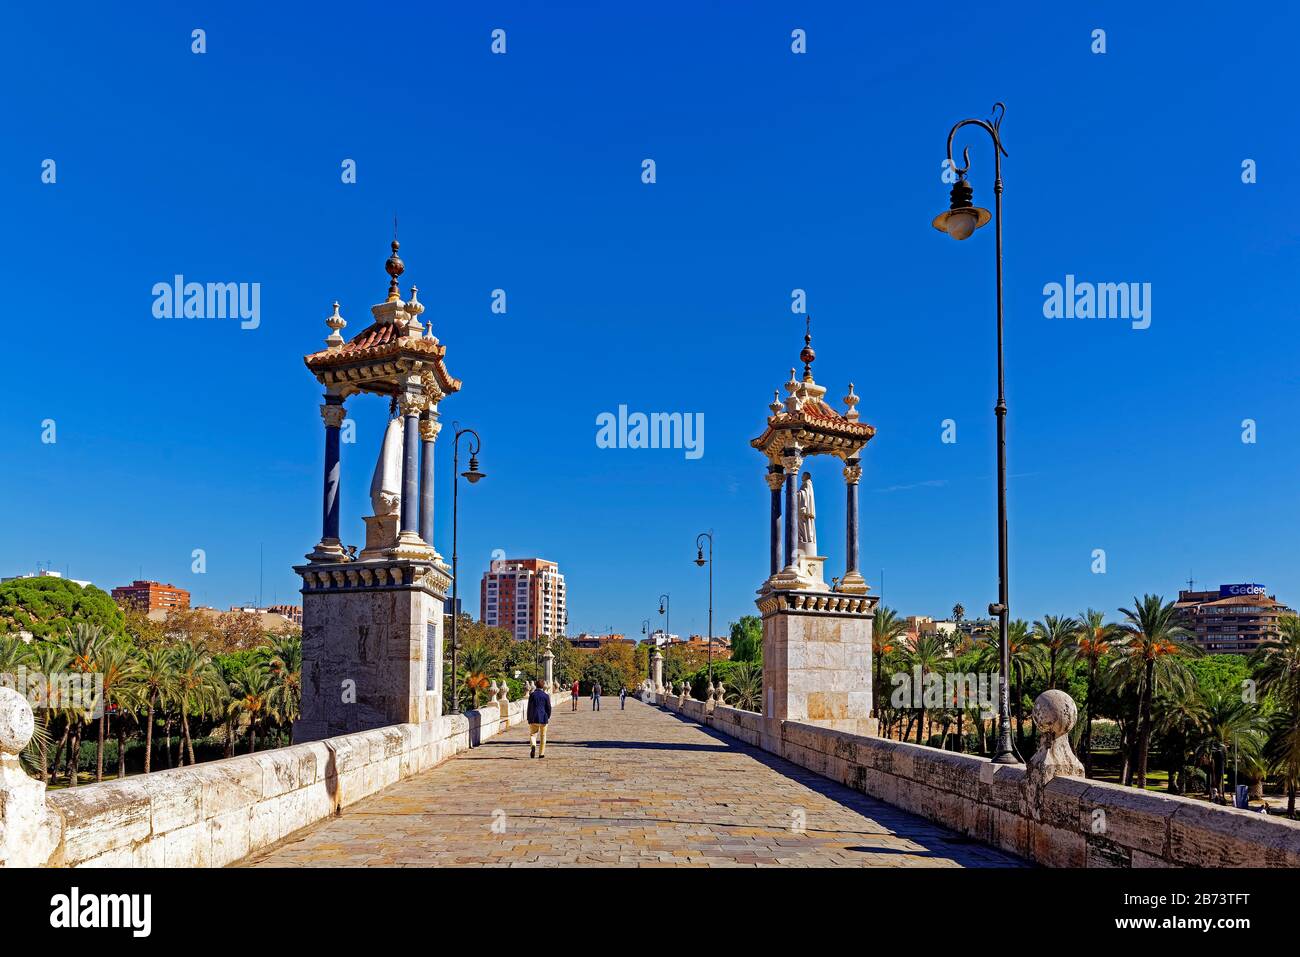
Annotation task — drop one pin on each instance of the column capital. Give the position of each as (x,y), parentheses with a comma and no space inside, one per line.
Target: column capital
(852,471)
(792,459)
(429,426)
(775,479)
(333,414)
(412,403)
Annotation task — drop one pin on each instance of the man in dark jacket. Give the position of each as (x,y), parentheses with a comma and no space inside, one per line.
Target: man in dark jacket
(539,715)
(595,696)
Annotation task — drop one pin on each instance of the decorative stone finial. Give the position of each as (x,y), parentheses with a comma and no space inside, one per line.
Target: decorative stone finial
(336,324)
(851,400)
(414,309)
(29,832)
(394,267)
(1054,715)
(776,406)
(17,724)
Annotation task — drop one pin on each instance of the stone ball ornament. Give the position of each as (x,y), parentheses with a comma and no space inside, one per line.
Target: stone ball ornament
(17,723)
(1055,712)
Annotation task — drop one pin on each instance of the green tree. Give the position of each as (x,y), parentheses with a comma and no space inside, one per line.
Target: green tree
(1094,642)
(1055,635)
(155,679)
(199,687)
(1230,725)
(926,653)
(52,607)
(1026,659)
(747,639)
(1277,666)
(887,631)
(1157,643)
(743,687)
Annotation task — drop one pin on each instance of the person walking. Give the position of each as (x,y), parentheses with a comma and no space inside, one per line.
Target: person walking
(539,715)
(622,698)
(595,696)
(574,696)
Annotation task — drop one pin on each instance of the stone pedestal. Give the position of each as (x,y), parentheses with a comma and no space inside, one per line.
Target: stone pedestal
(816,660)
(371,645)
(28,832)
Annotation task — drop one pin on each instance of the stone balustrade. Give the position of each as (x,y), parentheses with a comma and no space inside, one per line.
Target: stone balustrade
(213,814)
(1044,811)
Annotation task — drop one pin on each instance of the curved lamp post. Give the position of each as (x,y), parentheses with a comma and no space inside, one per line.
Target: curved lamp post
(472,475)
(959,221)
(664,609)
(702,561)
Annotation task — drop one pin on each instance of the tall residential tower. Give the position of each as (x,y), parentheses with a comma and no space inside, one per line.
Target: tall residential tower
(526,596)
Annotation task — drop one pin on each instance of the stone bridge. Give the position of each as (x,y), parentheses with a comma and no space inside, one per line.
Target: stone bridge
(666,782)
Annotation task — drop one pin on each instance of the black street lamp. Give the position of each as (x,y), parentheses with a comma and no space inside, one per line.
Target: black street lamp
(702,561)
(664,609)
(645,631)
(960,220)
(472,475)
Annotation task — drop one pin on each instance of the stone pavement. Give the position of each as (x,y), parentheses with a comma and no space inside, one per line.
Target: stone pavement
(640,787)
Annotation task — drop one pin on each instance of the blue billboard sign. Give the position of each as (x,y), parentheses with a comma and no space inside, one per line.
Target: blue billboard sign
(1232,591)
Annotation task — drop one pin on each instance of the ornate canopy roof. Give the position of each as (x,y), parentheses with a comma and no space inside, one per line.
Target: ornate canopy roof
(805,419)
(389,355)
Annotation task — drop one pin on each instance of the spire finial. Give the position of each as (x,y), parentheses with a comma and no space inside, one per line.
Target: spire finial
(807,355)
(394,267)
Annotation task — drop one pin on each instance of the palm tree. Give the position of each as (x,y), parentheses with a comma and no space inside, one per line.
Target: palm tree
(1283,749)
(49,658)
(927,653)
(1055,634)
(477,661)
(1277,666)
(1094,640)
(1157,642)
(251,695)
(1026,660)
(744,687)
(886,631)
(1231,725)
(284,662)
(156,679)
(83,645)
(115,662)
(14,653)
(1180,717)
(197,683)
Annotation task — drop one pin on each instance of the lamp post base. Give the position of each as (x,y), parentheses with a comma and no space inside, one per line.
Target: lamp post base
(1006,752)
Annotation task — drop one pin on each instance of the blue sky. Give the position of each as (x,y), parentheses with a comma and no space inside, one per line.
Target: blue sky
(775,171)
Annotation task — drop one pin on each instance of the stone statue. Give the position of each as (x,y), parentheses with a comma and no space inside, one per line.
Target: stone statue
(386,485)
(807,518)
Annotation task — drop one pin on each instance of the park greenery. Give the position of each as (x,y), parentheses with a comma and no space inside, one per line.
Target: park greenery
(1154,710)
(193,687)
(1152,705)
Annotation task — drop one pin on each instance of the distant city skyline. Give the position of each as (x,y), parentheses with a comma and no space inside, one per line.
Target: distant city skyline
(1158,448)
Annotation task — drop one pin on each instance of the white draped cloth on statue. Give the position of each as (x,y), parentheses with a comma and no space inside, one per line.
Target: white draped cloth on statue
(386,485)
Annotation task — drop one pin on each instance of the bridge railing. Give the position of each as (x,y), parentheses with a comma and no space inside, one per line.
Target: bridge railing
(1044,811)
(212,814)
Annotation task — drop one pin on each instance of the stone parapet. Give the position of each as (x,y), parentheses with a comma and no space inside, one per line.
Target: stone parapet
(216,813)
(1056,821)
